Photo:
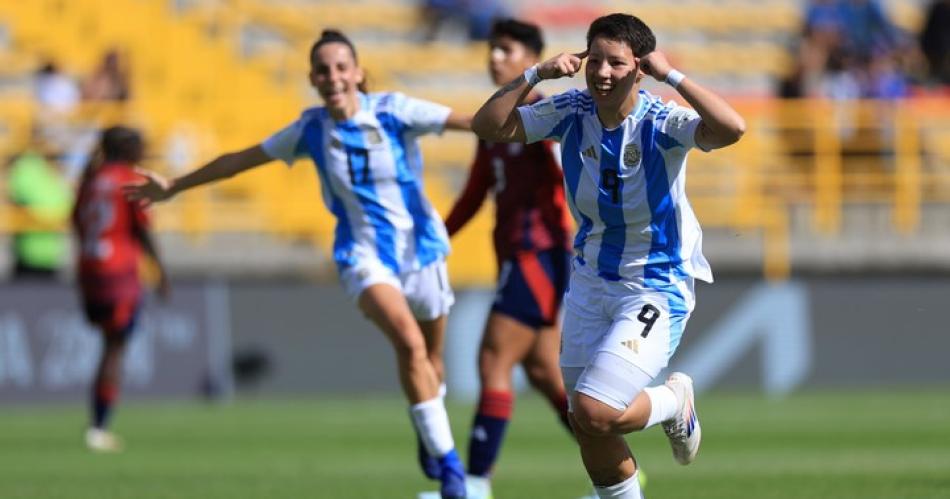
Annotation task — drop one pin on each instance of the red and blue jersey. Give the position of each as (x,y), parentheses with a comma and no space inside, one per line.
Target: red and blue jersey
(530,210)
(106,224)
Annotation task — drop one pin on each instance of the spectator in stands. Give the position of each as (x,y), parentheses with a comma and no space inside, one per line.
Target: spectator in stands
(37,187)
(849,50)
(884,78)
(935,41)
(862,25)
(476,15)
(54,91)
(109,81)
(56,96)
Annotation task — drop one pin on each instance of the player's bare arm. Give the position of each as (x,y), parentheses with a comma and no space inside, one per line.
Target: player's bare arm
(498,119)
(162,286)
(458,121)
(156,188)
(721,125)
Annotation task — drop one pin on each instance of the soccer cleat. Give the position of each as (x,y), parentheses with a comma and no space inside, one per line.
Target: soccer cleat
(99,440)
(430,465)
(683,429)
(452,477)
(478,487)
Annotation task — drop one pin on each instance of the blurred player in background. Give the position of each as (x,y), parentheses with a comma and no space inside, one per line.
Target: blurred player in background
(638,246)
(532,247)
(390,244)
(112,234)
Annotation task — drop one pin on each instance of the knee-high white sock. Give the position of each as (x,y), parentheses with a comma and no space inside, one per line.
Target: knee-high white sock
(663,402)
(627,489)
(432,424)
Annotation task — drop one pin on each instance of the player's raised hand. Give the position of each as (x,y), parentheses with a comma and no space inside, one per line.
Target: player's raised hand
(153,189)
(561,65)
(655,65)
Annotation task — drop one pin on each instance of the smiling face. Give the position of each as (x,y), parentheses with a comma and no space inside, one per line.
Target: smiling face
(336,76)
(508,58)
(612,73)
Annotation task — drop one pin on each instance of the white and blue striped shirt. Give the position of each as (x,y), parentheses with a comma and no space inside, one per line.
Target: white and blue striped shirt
(626,186)
(370,169)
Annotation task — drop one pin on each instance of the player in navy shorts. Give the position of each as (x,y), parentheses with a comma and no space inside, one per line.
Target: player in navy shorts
(532,241)
(113,234)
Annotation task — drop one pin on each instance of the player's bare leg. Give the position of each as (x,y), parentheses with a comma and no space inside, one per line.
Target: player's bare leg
(599,429)
(544,373)
(673,405)
(105,392)
(434,333)
(605,453)
(387,308)
(505,343)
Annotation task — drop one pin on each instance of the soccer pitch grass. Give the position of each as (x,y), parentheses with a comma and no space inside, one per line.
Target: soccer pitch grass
(823,445)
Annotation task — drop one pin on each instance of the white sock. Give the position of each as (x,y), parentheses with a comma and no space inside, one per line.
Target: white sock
(442,390)
(627,489)
(432,424)
(663,402)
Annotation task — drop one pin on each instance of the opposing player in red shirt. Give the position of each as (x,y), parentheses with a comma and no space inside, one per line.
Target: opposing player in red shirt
(532,245)
(112,234)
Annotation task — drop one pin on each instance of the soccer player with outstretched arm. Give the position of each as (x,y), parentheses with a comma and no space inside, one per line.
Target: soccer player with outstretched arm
(638,246)
(112,234)
(390,244)
(532,246)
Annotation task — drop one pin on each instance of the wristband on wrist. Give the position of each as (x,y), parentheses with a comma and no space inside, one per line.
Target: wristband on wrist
(531,75)
(674,78)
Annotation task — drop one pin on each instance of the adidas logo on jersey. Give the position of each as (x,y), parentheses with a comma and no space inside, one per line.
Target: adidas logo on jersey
(590,152)
(632,345)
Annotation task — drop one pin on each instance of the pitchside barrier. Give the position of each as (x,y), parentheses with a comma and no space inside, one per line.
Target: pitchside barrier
(303,339)
(49,352)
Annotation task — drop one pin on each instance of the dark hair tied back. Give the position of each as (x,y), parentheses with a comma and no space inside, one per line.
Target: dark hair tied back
(335,36)
(121,143)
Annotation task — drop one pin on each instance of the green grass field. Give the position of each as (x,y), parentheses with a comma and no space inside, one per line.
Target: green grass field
(828,445)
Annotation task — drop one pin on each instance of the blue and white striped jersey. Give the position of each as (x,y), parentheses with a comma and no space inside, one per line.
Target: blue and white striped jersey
(370,169)
(626,186)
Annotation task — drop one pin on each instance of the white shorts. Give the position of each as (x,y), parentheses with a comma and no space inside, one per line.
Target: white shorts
(427,290)
(615,330)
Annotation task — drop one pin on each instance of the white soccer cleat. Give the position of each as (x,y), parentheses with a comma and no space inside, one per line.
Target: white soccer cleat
(478,487)
(683,430)
(98,440)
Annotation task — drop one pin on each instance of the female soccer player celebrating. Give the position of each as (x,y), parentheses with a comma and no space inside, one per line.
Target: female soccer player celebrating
(638,246)
(390,243)
(532,245)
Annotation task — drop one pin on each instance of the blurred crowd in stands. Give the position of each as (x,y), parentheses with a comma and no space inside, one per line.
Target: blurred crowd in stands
(40,179)
(850,49)
(475,17)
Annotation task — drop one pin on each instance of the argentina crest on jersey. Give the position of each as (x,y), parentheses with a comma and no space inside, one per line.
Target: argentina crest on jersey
(631,155)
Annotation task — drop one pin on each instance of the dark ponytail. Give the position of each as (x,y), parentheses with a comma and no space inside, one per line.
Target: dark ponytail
(117,143)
